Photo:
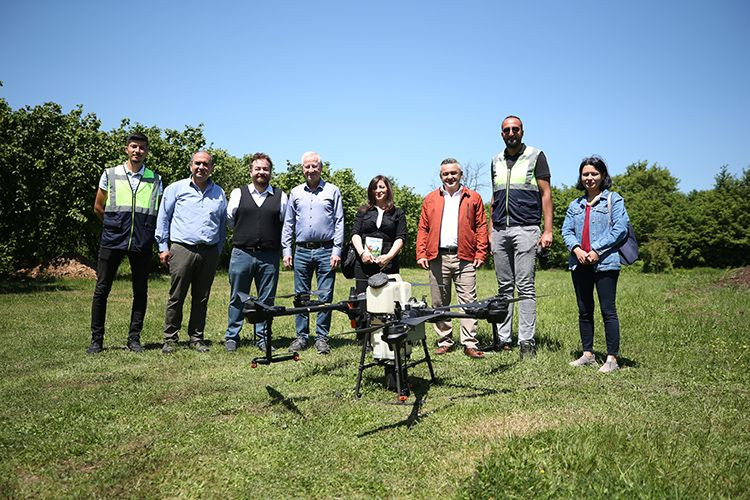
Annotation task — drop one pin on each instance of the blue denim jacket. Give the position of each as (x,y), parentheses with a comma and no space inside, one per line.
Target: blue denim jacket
(604,234)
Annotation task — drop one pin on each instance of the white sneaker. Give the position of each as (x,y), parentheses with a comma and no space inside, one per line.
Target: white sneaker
(609,367)
(583,361)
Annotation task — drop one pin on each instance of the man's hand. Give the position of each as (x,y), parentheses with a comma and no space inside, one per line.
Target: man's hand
(164,258)
(335,261)
(288,262)
(478,263)
(546,240)
(423,263)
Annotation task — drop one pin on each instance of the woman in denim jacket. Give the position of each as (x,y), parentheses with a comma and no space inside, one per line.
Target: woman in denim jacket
(591,232)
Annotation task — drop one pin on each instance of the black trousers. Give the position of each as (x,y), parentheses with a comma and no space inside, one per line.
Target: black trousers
(605,282)
(106,271)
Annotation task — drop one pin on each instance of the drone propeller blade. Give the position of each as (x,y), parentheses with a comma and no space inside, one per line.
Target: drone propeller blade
(311,292)
(418,320)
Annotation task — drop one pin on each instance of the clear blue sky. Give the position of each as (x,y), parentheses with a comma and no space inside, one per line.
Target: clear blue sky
(394,87)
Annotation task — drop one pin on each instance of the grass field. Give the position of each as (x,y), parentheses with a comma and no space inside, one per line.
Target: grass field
(672,423)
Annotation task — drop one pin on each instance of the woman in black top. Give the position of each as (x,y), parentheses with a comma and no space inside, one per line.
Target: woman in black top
(378,234)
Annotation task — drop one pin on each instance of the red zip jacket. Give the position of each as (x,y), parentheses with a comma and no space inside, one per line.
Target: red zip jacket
(472,226)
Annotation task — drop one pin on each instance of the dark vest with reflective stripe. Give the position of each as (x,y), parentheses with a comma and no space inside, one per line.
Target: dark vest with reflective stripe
(258,226)
(516,199)
(130,215)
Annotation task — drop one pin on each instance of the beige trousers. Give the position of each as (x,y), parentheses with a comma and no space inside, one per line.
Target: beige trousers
(445,270)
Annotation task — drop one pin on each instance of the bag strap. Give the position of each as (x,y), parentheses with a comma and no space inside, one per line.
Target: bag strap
(609,207)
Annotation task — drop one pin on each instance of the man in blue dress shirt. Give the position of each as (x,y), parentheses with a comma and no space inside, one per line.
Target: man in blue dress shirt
(315,218)
(190,232)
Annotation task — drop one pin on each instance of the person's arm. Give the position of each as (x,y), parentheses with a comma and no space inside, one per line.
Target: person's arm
(232,206)
(338,229)
(480,221)
(398,241)
(99,202)
(222,222)
(422,231)
(163,220)
(546,190)
(287,230)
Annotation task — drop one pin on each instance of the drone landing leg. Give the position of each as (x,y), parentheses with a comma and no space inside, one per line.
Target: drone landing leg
(361,370)
(402,388)
(428,360)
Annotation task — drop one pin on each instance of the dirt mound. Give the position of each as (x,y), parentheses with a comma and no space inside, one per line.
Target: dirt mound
(59,267)
(738,277)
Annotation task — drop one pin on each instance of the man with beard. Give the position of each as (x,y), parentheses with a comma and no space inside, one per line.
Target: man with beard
(315,218)
(256,212)
(452,244)
(521,194)
(190,232)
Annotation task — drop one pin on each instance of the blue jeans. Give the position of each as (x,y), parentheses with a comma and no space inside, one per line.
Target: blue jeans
(244,267)
(306,262)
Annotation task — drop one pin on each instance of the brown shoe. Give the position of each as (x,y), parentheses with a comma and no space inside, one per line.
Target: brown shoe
(473,353)
(443,349)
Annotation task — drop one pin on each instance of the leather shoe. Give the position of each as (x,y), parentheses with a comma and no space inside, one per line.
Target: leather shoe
(473,353)
(443,349)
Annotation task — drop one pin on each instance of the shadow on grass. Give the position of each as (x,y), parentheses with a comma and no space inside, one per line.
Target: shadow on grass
(288,403)
(12,285)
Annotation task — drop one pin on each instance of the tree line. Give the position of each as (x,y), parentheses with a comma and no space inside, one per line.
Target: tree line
(52,162)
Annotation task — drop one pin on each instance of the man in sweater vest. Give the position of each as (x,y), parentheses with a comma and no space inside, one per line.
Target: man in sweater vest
(126,202)
(256,212)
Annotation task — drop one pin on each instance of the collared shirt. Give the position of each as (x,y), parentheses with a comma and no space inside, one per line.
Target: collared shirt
(312,216)
(191,216)
(133,178)
(236,194)
(449,227)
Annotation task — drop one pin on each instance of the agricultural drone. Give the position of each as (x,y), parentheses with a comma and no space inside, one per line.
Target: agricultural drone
(392,321)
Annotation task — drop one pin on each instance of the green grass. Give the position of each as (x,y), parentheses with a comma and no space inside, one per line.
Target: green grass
(673,422)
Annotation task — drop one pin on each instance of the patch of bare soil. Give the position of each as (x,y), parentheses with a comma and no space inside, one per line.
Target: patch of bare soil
(738,277)
(59,267)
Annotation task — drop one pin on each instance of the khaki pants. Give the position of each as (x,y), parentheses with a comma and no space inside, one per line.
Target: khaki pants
(445,270)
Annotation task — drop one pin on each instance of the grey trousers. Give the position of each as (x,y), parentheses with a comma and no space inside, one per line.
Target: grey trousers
(445,270)
(191,267)
(514,250)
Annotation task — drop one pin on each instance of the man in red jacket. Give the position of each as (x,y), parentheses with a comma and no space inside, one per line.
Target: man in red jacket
(452,244)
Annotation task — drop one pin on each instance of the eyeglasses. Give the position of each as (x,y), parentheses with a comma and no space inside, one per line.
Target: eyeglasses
(507,130)
(201,163)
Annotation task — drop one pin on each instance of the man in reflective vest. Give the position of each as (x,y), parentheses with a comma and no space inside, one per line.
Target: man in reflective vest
(521,195)
(126,202)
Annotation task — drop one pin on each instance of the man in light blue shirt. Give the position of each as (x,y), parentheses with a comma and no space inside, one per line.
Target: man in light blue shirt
(190,231)
(315,218)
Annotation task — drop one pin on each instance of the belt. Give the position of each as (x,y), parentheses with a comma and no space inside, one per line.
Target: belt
(312,245)
(256,248)
(198,246)
(448,250)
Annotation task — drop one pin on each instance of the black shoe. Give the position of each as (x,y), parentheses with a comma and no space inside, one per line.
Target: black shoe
(96,346)
(321,344)
(298,345)
(199,346)
(528,349)
(170,346)
(135,346)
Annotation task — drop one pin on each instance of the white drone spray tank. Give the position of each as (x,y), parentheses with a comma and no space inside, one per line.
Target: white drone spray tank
(381,304)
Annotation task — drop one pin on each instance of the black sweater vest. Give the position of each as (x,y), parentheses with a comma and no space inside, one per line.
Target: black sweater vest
(257,227)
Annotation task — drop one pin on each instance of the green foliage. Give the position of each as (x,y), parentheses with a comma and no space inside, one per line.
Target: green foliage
(656,256)
(53,161)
